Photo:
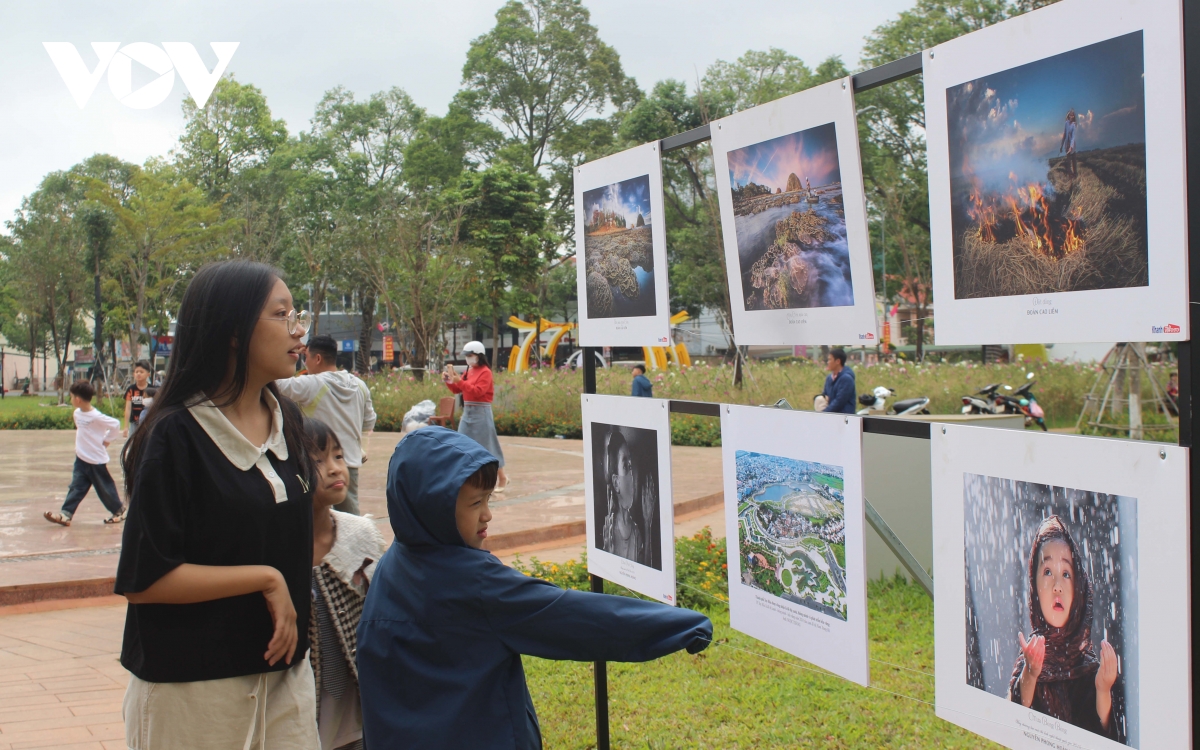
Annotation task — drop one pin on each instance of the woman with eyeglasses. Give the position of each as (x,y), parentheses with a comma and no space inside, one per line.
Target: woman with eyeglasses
(216,558)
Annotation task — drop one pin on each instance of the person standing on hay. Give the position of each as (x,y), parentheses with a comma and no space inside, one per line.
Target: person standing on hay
(1068,142)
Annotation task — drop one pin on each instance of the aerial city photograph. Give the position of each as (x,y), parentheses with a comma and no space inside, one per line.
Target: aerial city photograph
(792,530)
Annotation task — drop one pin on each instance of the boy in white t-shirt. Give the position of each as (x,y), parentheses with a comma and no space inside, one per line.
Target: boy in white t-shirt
(94,430)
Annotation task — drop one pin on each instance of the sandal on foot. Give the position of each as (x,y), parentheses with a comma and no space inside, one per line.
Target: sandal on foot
(56,517)
(116,517)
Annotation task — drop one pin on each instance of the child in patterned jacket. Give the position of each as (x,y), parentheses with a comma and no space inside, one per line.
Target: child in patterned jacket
(346,548)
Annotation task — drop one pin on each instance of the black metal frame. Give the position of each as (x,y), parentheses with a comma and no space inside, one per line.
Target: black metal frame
(1189,372)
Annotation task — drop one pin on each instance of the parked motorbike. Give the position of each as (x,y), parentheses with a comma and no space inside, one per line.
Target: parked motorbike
(992,400)
(876,401)
(1022,401)
(982,401)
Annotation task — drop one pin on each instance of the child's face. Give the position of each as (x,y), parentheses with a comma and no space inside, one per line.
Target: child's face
(140,375)
(472,514)
(332,476)
(622,478)
(1056,582)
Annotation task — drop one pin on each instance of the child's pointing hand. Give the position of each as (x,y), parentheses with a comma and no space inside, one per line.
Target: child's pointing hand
(1035,653)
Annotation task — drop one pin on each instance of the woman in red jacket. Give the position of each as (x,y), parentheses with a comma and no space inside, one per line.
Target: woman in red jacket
(475,385)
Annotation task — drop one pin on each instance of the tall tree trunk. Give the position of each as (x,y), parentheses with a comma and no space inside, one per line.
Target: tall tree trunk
(98,329)
(32,350)
(365,332)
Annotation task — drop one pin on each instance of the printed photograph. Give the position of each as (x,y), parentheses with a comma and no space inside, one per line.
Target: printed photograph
(1048,174)
(618,249)
(626,482)
(792,530)
(1051,607)
(791,222)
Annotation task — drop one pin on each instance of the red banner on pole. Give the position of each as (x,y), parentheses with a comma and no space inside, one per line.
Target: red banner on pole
(389,353)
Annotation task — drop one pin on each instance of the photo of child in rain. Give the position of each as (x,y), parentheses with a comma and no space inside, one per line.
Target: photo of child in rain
(1051,601)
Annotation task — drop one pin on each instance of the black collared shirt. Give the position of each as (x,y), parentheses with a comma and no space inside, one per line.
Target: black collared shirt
(203,494)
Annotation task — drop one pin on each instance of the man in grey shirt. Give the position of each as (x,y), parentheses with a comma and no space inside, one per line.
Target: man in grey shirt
(339,399)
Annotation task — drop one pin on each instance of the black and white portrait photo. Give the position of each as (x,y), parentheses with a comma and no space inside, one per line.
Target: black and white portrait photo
(625,477)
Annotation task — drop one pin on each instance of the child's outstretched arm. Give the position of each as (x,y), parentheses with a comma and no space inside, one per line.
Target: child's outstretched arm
(538,618)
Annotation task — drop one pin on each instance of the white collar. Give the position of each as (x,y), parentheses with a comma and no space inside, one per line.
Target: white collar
(241,452)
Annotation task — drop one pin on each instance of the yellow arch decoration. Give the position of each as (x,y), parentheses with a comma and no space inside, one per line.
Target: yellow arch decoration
(661,357)
(518,359)
(656,357)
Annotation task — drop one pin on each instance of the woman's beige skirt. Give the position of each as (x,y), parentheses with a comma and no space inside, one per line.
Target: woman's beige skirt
(269,711)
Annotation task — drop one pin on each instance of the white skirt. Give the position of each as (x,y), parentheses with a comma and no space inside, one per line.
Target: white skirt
(268,711)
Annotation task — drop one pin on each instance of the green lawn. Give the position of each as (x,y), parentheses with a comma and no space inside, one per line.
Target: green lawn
(726,697)
(43,412)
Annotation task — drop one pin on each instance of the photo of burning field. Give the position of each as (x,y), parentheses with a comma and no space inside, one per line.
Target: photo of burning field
(1048,174)
(791,222)
(618,249)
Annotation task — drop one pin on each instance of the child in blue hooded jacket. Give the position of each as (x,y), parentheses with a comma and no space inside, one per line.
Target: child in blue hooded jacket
(445,623)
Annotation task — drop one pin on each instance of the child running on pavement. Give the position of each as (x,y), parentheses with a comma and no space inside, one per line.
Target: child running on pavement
(94,430)
(346,548)
(446,622)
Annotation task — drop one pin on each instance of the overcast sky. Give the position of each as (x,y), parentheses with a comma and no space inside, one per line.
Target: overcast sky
(295,51)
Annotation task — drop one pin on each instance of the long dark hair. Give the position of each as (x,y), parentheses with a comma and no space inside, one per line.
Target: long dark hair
(222,304)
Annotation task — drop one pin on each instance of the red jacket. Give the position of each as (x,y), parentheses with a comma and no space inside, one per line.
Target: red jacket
(475,386)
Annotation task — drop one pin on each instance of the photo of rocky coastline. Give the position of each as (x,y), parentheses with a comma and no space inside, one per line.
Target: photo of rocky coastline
(791,222)
(618,249)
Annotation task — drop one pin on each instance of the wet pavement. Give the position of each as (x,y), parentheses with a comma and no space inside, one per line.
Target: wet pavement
(543,509)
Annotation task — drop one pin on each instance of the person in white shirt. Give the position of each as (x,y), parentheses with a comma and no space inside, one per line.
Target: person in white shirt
(339,399)
(94,430)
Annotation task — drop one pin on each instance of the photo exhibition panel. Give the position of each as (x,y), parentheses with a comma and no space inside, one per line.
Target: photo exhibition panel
(629,515)
(794,525)
(621,250)
(1060,580)
(794,220)
(1056,177)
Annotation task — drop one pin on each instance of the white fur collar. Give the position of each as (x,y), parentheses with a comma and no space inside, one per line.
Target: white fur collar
(358,545)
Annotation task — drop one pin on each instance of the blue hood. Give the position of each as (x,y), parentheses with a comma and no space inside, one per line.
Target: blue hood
(425,474)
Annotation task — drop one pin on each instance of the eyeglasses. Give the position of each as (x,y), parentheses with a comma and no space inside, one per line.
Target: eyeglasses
(297,321)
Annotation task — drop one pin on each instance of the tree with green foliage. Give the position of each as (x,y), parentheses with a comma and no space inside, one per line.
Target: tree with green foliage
(168,228)
(361,146)
(237,153)
(99,228)
(504,221)
(49,264)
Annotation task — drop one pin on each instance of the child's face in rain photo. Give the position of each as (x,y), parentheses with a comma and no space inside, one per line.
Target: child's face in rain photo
(1056,582)
(622,479)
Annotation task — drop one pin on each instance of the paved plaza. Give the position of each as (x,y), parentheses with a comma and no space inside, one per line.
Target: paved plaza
(543,508)
(60,682)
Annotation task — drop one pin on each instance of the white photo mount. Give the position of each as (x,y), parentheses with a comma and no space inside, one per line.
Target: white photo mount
(601,327)
(1157,311)
(636,416)
(850,318)
(1154,478)
(796,440)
